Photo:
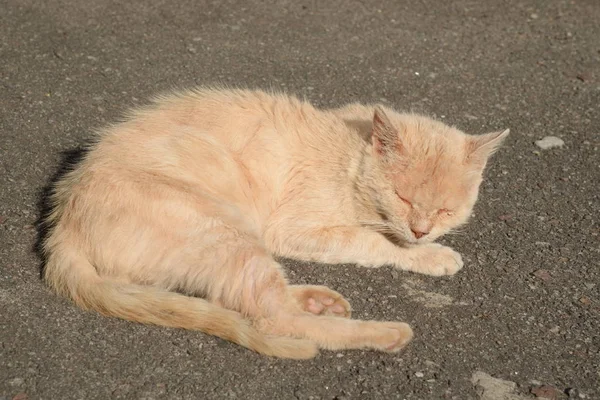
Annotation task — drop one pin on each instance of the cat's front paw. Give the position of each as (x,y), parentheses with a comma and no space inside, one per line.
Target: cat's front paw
(437,260)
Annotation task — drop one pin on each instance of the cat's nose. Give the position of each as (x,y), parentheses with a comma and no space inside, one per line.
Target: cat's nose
(419,234)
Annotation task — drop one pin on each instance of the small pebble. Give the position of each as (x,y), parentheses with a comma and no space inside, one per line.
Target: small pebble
(586,301)
(542,274)
(549,142)
(546,392)
(419,374)
(16,382)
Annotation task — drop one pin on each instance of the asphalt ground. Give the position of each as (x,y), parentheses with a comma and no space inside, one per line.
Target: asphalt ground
(525,310)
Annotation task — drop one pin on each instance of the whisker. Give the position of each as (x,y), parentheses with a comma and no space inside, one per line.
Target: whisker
(378,226)
(455,232)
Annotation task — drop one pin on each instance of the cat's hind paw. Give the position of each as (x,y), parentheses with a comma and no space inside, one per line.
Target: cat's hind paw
(320,300)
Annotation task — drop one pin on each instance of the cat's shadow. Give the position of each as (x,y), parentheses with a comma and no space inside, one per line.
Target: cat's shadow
(69,159)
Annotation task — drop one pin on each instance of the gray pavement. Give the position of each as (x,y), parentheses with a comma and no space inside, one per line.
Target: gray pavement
(524,310)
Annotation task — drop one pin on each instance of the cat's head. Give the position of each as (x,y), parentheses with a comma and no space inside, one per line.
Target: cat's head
(431,171)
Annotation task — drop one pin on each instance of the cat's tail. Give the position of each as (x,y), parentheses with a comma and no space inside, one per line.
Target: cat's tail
(74,277)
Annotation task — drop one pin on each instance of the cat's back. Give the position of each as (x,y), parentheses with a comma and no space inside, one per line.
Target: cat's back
(228,142)
(230,119)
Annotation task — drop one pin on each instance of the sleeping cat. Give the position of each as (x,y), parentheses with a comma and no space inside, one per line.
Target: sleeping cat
(174,215)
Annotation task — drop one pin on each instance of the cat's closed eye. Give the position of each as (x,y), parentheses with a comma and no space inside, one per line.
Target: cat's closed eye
(445,212)
(403,199)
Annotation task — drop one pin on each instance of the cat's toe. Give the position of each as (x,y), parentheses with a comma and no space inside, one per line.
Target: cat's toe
(456,265)
(452,262)
(339,308)
(314,306)
(333,304)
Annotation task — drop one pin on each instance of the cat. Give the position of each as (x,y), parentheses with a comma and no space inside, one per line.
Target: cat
(174,215)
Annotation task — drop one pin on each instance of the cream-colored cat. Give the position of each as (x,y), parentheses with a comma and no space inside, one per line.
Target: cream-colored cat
(174,215)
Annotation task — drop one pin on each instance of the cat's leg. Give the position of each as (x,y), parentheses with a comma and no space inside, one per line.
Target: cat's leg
(320,300)
(357,245)
(279,317)
(220,258)
(236,271)
(334,333)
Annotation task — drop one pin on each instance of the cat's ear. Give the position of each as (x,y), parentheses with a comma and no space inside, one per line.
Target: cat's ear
(384,134)
(481,147)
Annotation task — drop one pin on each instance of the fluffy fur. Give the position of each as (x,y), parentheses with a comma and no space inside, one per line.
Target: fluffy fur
(174,215)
